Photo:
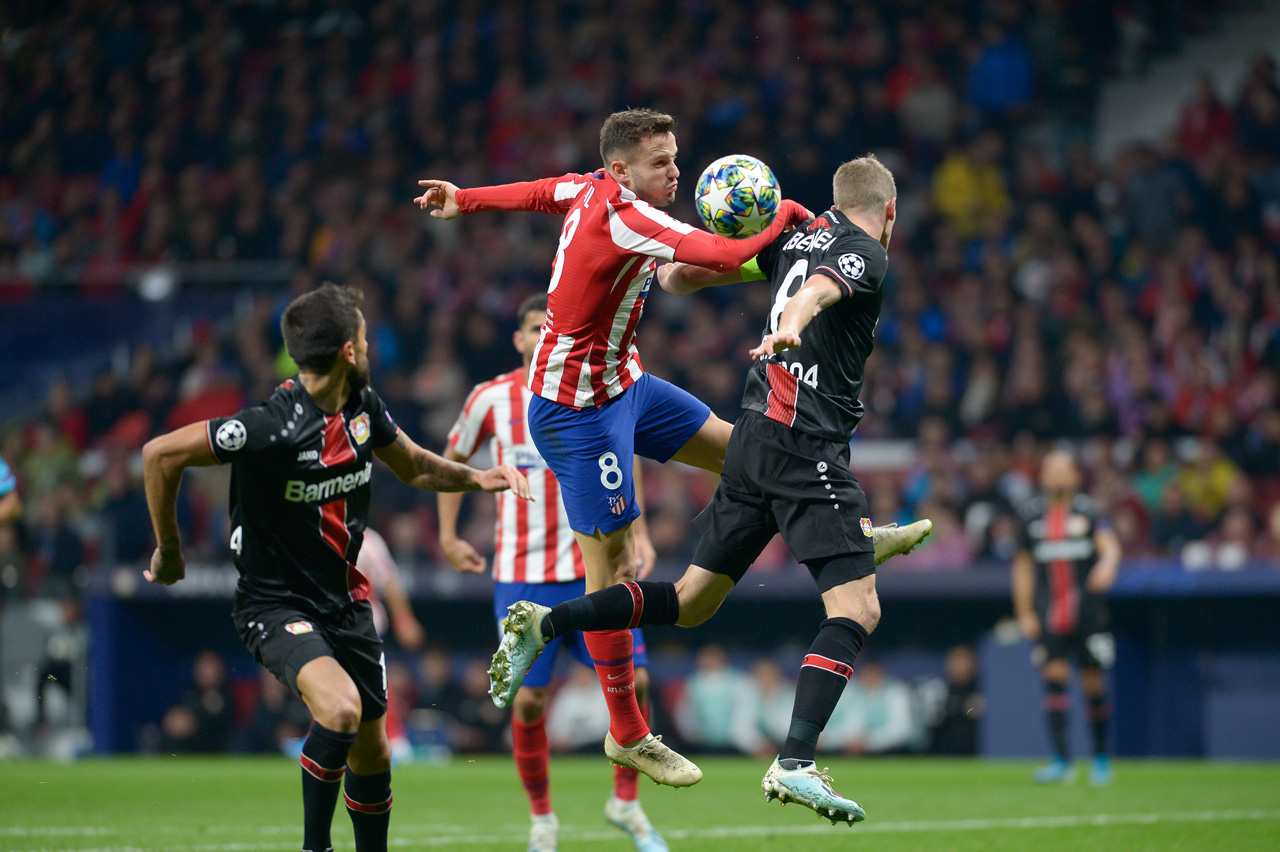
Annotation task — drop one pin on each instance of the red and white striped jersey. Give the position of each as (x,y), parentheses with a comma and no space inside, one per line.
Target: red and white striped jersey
(609,250)
(534,543)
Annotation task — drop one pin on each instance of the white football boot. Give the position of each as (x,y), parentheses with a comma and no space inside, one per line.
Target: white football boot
(654,759)
(812,789)
(521,644)
(630,818)
(891,540)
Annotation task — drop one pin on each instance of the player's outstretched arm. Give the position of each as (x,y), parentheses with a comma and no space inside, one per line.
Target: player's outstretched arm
(423,469)
(681,279)
(462,556)
(1103,574)
(549,195)
(818,293)
(164,459)
(725,255)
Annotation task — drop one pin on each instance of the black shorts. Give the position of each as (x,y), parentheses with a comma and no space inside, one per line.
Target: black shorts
(285,639)
(779,480)
(1089,640)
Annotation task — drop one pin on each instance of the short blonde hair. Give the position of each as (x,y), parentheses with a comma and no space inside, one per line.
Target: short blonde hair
(863,184)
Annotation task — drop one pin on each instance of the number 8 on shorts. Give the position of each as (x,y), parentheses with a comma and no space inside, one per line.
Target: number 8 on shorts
(610,473)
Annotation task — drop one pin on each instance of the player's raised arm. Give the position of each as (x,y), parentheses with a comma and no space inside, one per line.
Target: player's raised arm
(818,293)
(549,195)
(164,459)
(423,469)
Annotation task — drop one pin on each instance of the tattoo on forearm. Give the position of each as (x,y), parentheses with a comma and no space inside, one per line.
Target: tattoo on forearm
(441,472)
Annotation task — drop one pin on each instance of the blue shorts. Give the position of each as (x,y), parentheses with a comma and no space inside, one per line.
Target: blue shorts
(591,450)
(550,594)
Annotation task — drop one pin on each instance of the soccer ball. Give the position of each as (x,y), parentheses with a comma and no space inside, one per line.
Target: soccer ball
(737,196)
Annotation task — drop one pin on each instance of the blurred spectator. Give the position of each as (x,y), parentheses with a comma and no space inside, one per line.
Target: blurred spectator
(953,705)
(705,710)
(577,716)
(279,717)
(874,716)
(480,725)
(201,720)
(762,715)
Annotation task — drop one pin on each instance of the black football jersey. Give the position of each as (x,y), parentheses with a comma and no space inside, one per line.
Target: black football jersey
(1060,539)
(815,388)
(300,494)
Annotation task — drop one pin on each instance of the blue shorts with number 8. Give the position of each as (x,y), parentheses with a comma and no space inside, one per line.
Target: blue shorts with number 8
(591,451)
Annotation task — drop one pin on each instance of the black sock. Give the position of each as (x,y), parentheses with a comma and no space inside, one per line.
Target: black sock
(1055,707)
(619,607)
(369,804)
(823,677)
(324,756)
(1099,715)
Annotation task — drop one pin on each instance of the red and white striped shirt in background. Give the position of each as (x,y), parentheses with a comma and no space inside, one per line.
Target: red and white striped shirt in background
(609,250)
(534,543)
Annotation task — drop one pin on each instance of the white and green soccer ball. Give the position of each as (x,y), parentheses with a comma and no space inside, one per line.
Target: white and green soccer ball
(737,196)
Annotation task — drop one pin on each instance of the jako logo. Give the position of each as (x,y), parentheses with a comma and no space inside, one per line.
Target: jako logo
(296,491)
(308,455)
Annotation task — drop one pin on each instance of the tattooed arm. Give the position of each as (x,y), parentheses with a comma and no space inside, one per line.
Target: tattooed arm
(423,469)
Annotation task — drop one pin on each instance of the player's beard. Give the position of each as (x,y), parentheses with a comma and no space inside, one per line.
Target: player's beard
(358,376)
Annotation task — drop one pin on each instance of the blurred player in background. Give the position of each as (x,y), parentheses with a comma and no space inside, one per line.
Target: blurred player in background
(10,502)
(301,466)
(594,408)
(536,558)
(10,510)
(1068,560)
(391,610)
(787,469)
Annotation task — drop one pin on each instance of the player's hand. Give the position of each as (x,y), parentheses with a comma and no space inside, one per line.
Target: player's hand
(167,566)
(774,343)
(501,478)
(1030,625)
(440,194)
(464,558)
(646,555)
(794,213)
(408,630)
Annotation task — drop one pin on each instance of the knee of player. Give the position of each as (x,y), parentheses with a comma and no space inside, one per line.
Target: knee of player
(870,613)
(370,758)
(530,704)
(339,712)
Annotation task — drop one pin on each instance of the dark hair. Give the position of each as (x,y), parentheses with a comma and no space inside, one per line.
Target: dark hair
(536,302)
(623,131)
(318,324)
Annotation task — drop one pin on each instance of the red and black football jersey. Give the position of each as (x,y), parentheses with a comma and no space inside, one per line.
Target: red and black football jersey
(815,388)
(300,494)
(1060,539)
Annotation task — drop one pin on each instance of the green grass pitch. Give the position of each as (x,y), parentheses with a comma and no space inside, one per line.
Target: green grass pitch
(238,804)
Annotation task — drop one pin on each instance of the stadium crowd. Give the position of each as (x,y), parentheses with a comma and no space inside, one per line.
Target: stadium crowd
(713,702)
(1036,294)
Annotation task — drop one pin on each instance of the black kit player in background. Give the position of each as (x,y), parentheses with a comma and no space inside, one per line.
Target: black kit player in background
(301,465)
(787,466)
(1067,561)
